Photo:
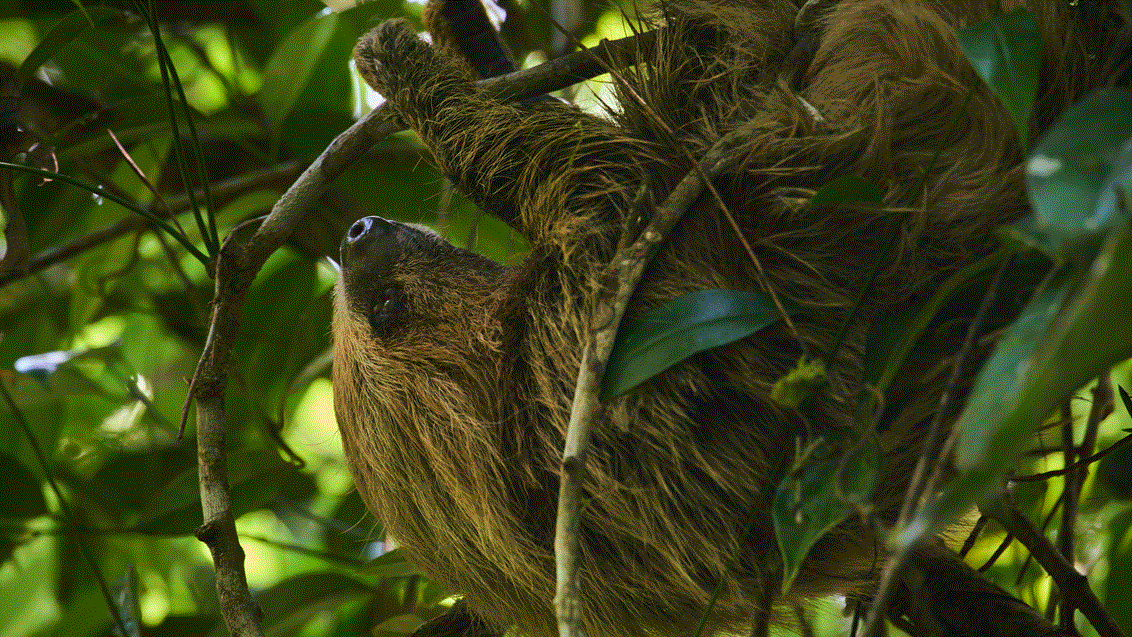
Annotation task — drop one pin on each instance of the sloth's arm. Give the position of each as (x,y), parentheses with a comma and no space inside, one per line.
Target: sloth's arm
(539,167)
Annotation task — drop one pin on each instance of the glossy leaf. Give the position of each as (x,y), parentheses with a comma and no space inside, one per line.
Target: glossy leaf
(1074,173)
(1068,334)
(665,335)
(1006,53)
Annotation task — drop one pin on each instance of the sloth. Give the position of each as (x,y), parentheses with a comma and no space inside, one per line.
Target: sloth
(453,375)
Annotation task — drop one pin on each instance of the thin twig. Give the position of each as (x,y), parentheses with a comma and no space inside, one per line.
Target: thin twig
(626,268)
(134,223)
(929,467)
(68,515)
(1073,585)
(1083,462)
(1075,478)
(237,267)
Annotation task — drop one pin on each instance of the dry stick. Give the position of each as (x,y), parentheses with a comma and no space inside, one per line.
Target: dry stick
(1075,478)
(237,266)
(925,478)
(1045,475)
(626,268)
(1073,585)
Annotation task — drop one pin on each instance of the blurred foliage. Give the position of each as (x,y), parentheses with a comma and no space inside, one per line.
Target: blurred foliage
(102,320)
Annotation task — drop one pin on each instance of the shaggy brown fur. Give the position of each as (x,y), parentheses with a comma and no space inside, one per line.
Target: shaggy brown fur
(453,375)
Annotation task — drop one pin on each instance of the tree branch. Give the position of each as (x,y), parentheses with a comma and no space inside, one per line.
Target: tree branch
(1073,585)
(237,266)
(626,268)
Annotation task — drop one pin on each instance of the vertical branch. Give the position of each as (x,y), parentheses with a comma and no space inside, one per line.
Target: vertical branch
(625,269)
(237,266)
(1075,478)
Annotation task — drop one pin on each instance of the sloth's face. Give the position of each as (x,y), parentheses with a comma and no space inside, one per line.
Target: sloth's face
(398,275)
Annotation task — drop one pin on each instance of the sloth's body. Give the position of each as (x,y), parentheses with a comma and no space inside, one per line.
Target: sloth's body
(453,375)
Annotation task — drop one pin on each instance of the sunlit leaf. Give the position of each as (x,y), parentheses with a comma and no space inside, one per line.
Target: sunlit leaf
(1006,53)
(665,335)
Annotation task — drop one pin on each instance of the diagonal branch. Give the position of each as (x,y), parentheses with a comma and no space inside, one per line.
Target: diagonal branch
(626,268)
(236,268)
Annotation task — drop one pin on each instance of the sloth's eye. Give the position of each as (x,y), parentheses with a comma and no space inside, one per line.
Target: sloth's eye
(388,306)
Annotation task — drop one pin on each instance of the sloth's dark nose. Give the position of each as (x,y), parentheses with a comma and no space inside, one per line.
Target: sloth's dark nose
(371,226)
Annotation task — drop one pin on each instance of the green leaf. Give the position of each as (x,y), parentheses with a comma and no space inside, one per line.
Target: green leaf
(389,564)
(847,189)
(665,335)
(61,34)
(291,65)
(807,505)
(23,493)
(254,476)
(1066,336)
(1006,53)
(1117,594)
(290,604)
(1075,171)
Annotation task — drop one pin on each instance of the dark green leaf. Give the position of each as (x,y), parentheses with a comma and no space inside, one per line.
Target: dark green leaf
(847,189)
(1006,53)
(291,65)
(1068,334)
(255,475)
(23,493)
(665,335)
(60,35)
(290,604)
(807,505)
(1115,471)
(1074,172)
